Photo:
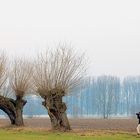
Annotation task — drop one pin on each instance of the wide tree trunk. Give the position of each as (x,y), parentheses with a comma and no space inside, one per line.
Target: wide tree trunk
(14,109)
(57,112)
(19,111)
(8,106)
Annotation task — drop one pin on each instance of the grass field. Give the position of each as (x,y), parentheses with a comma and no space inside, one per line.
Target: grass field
(24,134)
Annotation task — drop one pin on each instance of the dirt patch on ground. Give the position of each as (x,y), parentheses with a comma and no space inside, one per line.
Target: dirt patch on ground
(128,125)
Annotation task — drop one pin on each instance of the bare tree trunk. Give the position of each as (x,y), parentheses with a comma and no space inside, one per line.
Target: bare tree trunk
(19,111)
(10,114)
(8,106)
(13,109)
(57,112)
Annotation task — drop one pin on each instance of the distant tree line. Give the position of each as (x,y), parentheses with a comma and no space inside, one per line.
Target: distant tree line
(103,96)
(106,96)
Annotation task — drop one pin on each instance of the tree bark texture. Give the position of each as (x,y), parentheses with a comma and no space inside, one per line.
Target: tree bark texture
(19,111)
(8,106)
(14,109)
(57,112)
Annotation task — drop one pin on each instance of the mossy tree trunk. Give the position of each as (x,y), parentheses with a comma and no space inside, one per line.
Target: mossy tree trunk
(57,112)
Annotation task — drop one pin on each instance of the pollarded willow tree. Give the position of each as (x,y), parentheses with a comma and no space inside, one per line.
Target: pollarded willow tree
(20,81)
(6,104)
(19,78)
(56,74)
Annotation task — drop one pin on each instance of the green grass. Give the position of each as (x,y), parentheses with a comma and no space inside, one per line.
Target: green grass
(11,134)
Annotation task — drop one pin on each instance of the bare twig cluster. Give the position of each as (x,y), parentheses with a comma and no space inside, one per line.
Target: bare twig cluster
(3,69)
(20,76)
(59,70)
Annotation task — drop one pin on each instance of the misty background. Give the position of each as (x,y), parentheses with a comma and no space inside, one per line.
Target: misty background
(107,31)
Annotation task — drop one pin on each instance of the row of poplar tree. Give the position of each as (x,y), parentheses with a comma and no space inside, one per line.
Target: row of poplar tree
(103,96)
(106,96)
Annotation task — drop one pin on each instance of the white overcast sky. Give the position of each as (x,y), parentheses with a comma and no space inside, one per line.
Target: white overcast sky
(108,30)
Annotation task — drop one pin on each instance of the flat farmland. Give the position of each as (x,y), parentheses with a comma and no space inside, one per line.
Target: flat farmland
(128,125)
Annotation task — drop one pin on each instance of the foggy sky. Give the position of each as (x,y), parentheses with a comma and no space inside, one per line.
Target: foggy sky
(108,30)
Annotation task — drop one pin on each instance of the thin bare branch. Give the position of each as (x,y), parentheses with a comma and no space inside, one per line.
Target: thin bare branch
(61,69)
(3,69)
(20,76)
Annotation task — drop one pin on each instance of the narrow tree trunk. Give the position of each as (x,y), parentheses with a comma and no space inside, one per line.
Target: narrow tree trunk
(19,111)
(57,112)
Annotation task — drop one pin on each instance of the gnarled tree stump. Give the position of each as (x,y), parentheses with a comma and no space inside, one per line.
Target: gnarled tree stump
(13,108)
(8,106)
(57,111)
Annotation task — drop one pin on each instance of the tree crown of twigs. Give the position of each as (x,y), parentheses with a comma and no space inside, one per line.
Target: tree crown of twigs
(3,69)
(58,71)
(20,76)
